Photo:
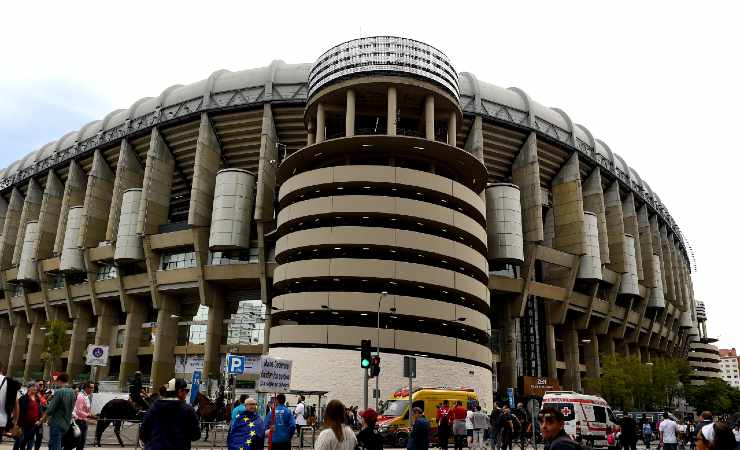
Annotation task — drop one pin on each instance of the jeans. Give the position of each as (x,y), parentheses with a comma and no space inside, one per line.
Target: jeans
(667,446)
(55,437)
(478,439)
(646,440)
(27,439)
(494,438)
(83,434)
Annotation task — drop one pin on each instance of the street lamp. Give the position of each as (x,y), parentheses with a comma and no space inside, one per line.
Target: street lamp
(377,378)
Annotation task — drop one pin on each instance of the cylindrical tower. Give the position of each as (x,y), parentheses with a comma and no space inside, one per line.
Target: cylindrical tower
(504,217)
(72,259)
(657,296)
(629,284)
(232,210)
(382,226)
(129,247)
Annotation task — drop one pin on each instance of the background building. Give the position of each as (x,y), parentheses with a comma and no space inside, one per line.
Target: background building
(730,367)
(293,208)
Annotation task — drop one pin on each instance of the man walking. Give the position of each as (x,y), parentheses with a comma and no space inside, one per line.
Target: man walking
(480,424)
(300,417)
(443,424)
(83,412)
(171,423)
(507,423)
(59,412)
(419,437)
(668,433)
(282,425)
(628,438)
(495,430)
(248,430)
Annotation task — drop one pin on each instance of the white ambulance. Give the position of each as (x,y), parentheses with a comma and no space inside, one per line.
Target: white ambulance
(588,418)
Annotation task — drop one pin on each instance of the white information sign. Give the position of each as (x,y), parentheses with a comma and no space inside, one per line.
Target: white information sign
(97,355)
(275,375)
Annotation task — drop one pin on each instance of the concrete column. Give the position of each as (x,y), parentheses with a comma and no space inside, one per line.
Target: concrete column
(615,228)
(392,108)
(658,250)
(667,257)
(136,313)
(207,162)
(6,340)
(311,129)
(593,200)
(19,345)
(264,207)
(509,347)
(631,226)
(591,354)
(30,211)
(646,247)
(10,228)
(163,360)
(78,342)
(552,358)
(214,333)
(129,175)
(154,206)
(607,345)
(320,123)
(107,320)
(572,379)
(526,174)
(567,203)
(429,117)
(74,195)
(349,119)
(35,347)
(474,142)
(51,204)
(452,129)
(96,209)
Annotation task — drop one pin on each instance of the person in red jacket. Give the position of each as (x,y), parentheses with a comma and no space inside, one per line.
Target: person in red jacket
(459,412)
(443,424)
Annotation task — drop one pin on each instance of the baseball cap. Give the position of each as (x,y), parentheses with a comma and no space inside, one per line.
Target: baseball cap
(176,384)
(369,415)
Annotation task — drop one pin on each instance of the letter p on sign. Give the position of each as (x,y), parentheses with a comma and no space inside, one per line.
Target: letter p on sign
(235,364)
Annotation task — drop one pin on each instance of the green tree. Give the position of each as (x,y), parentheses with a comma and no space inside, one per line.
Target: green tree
(56,342)
(714,395)
(614,382)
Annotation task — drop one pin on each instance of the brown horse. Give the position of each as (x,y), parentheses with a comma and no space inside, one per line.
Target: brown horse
(209,413)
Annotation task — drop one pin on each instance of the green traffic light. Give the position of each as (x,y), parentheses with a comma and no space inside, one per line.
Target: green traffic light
(365,363)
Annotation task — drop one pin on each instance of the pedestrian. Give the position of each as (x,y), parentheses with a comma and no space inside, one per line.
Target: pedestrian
(715,436)
(480,424)
(507,423)
(83,413)
(443,424)
(495,430)
(523,419)
(29,412)
(552,423)
(368,438)
(647,434)
(691,433)
(419,436)
(239,408)
(337,435)
(300,412)
(458,424)
(136,391)
(8,393)
(469,427)
(170,423)
(282,424)
(59,412)
(736,433)
(628,438)
(668,433)
(247,431)
(43,396)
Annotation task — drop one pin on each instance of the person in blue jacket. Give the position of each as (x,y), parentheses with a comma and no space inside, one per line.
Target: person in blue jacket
(248,429)
(282,425)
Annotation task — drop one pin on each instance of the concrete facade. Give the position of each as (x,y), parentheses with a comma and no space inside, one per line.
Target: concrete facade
(374,183)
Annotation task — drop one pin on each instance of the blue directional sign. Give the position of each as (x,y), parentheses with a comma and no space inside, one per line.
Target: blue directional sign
(235,364)
(195,385)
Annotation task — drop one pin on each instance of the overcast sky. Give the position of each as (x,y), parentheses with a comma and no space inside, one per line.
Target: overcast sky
(657,81)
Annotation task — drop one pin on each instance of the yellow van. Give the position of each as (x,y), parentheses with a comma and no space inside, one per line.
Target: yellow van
(393,417)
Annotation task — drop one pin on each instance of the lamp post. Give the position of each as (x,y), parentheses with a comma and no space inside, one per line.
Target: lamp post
(377,378)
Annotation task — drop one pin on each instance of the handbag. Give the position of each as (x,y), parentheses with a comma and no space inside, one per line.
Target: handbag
(76,429)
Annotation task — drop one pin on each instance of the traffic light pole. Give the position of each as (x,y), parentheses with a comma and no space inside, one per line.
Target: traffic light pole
(364,387)
(377,377)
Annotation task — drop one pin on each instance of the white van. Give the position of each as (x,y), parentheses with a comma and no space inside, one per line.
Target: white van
(588,418)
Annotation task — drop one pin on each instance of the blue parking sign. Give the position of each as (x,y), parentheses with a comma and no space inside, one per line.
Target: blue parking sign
(235,364)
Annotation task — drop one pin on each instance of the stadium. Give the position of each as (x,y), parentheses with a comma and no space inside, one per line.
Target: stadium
(296,209)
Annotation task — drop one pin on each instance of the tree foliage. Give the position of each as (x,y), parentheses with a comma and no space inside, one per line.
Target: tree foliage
(56,342)
(627,383)
(715,395)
